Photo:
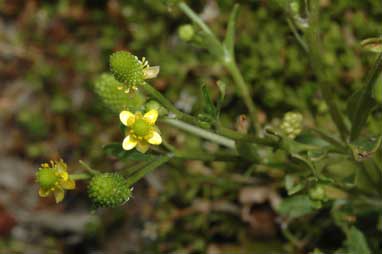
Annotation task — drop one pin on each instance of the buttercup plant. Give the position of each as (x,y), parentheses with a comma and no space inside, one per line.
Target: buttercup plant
(309,154)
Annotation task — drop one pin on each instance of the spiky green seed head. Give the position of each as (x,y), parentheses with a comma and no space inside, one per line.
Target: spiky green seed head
(47,178)
(153,104)
(127,68)
(109,190)
(291,125)
(186,32)
(114,96)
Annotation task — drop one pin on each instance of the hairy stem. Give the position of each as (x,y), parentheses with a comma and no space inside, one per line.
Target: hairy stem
(168,104)
(201,132)
(148,169)
(80,176)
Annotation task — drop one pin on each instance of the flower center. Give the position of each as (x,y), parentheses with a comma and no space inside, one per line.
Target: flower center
(47,178)
(141,128)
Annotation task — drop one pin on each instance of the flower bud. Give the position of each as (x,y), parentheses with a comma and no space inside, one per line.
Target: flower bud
(109,190)
(115,97)
(317,193)
(186,32)
(291,125)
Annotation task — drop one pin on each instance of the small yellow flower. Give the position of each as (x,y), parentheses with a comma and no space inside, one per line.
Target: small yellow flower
(54,178)
(142,130)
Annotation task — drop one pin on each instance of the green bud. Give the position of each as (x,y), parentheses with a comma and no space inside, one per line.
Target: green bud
(317,193)
(291,125)
(186,32)
(109,190)
(153,104)
(115,97)
(127,68)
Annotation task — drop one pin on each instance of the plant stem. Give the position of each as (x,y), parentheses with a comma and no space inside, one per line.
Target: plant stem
(202,156)
(88,168)
(194,17)
(168,104)
(227,57)
(148,169)
(319,69)
(201,132)
(244,91)
(80,176)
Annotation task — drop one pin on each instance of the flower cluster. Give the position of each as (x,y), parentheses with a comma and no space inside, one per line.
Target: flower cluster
(291,125)
(54,179)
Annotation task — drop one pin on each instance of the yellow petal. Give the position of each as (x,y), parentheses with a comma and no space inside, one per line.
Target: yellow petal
(151,116)
(68,184)
(143,147)
(155,139)
(43,193)
(127,118)
(59,195)
(129,143)
(64,175)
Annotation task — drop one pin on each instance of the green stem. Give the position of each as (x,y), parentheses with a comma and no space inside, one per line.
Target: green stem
(319,69)
(198,21)
(148,169)
(202,156)
(201,132)
(80,176)
(168,104)
(244,91)
(227,57)
(88,168)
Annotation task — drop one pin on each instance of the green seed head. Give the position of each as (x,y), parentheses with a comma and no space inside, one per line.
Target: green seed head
(186,32)
(141,128)
(126,68)
(113,94)
(46,178)
(109,190)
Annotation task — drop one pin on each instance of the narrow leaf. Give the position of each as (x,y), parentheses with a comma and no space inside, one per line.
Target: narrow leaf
(362,102)
(356,242)
(229,40)
(372,45)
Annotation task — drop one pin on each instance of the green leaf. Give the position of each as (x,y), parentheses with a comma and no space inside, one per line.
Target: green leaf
(208,105)
(222,87)
(229,41)
(364,148)
(361,103)
(296,206)
(293,184)
(356,242)
(372,44)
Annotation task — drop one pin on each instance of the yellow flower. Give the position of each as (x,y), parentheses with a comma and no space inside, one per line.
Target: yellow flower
(142,130)
(54,178)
